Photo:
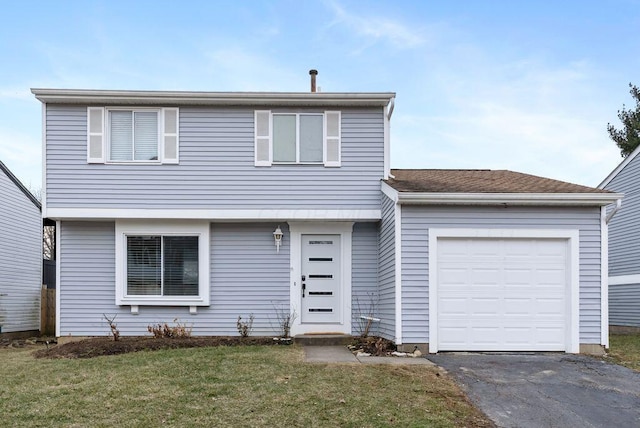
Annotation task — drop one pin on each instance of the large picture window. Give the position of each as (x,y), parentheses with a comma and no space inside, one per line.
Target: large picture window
(163,263)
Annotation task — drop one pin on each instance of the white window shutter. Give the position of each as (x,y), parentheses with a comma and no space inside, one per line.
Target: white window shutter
(332,139)
(95,135)
(170,138)
(263,149)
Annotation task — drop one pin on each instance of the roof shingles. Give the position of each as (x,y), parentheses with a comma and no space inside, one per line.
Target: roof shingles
(479,181)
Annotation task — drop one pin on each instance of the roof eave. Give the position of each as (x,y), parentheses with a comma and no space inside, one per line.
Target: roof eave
(83,96)
(527,199)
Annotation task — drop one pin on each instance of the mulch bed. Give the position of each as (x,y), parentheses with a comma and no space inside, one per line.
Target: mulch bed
(98,346)
(376,346)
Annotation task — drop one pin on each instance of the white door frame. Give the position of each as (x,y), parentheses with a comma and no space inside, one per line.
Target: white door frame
(345,230)
(573,268)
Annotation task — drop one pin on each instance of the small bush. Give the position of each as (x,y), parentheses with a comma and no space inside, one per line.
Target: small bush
(245,327)
(180,330)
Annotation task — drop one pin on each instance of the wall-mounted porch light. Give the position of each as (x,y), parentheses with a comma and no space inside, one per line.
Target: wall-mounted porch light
(277,235)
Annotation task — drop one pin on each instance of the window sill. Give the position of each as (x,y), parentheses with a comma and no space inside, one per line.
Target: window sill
(133,163)
(299,163)
(161,301)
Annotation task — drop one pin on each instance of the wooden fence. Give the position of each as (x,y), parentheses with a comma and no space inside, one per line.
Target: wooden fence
(48,312)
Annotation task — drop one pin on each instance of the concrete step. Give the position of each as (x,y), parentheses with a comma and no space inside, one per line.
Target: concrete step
(323,339)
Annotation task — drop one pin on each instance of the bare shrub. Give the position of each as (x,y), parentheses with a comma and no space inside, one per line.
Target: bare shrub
(112,327)
(245,327)
(162,330)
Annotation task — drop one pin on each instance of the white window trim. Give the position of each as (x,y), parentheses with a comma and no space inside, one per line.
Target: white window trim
(573,301)
(107,134)
(146,227)
(323,162)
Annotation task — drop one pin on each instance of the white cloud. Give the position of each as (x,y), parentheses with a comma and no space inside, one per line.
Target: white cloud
(377,28)
(527,116)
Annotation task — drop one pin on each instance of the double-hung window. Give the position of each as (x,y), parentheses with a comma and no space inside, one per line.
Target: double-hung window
(132,135)
(297,138)
(162,264)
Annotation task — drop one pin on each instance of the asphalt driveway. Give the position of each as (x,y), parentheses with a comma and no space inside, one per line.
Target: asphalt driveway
(547,390)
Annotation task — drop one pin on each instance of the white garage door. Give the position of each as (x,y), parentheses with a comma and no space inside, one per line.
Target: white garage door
(502,294)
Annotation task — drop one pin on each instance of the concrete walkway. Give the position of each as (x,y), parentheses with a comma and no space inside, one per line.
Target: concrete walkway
(340,354)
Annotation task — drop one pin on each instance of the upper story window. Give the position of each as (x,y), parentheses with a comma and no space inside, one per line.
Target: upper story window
(297,138)
(132,135)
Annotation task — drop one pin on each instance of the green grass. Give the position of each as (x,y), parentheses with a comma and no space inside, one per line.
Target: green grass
(225,386)
(624,349)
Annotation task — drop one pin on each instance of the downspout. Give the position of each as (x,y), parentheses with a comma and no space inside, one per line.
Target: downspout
(387,138)
(604,272)
(613,211)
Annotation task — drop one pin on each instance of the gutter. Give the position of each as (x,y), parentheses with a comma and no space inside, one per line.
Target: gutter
(93,97)
(549,199)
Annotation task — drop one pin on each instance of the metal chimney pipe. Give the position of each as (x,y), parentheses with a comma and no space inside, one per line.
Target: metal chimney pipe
(313,74)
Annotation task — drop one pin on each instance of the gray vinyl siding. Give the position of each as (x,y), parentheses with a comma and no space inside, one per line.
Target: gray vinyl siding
(624,305)
(387,269)
(415,256)
(216,169)
(247,276)
(624,228)
(20,259)
(364,276)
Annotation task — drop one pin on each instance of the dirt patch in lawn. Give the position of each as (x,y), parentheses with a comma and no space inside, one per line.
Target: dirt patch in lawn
(98,346)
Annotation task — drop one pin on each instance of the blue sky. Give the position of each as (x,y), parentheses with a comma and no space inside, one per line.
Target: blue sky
(525,86)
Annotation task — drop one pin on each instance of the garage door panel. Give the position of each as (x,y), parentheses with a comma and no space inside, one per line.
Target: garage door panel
(502,294)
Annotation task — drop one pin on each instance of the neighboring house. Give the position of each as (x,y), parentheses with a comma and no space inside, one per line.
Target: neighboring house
(20,257)
(624,244)
(167,205)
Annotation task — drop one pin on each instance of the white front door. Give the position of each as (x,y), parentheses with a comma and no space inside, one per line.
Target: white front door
(321,290)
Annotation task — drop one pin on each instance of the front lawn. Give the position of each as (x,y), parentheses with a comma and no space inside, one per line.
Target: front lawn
(225,386)
(624,349)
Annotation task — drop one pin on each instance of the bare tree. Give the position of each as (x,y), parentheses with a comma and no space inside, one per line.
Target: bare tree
(48,232)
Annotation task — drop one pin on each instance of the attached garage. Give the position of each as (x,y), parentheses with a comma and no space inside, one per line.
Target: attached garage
(506,290)
(497,261)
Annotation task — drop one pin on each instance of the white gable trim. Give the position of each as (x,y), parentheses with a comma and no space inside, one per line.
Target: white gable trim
(389,191)
(619,168)
(573,237)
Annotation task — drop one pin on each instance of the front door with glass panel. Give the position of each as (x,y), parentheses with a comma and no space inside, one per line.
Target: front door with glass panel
(321,285)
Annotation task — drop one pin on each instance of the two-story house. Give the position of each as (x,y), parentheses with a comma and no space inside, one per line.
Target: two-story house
(206,206)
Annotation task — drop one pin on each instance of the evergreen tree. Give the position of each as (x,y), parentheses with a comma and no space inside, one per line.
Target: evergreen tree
(627,138)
